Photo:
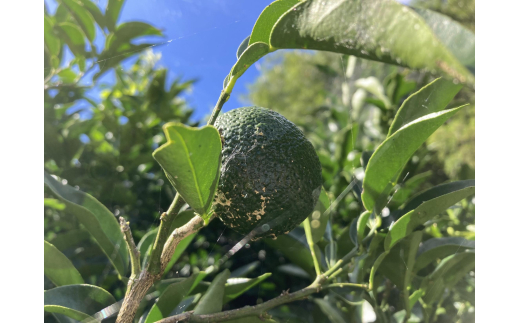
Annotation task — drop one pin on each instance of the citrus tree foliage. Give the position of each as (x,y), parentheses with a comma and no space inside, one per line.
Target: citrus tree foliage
(389,235)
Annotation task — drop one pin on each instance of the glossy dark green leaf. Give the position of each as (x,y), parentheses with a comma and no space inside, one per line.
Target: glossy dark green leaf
(242,47)
(237,286)
(434,192)
(112,13)
(438,248)
(267,19)
(424,212)
(191,161)
(82,16)
(97,219)
(398,263)
(295,250)
(172,296)
(58,268)
(212,300)
(457,38)
(392,155)
(361,28)
(331,311)
(82,300)
(431,98)
(252,54)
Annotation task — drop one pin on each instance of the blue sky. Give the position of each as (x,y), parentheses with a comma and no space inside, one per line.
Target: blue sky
(205,35)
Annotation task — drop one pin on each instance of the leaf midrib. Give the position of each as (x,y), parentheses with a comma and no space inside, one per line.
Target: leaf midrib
(191,167)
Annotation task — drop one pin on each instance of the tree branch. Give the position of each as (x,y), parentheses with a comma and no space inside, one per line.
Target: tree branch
(244,311)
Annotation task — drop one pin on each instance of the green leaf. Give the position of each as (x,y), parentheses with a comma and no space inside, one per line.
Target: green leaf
(252,53)
(82,16)
(424,212)
(331,311)
(145,244)
(212,300)
(191,161)
(172,296)
(242,47)
(94,11)
(415,297)
(457,38)
(432,98)
(52,43)
(53,203)
(127,31)
(76,301)
(112,13)
(392,155)
(379,30)
(64,313)
(434,192)
(296,251)
(67,76)
(107,61)
(58,268)
(438,248)
(362,225)
(237,286)
(97,219)
(375,267)
(267,19)
(73,36)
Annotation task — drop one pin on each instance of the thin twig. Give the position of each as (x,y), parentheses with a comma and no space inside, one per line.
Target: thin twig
(132,248)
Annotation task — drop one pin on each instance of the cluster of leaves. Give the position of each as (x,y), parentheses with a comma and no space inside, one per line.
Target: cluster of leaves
(394,256)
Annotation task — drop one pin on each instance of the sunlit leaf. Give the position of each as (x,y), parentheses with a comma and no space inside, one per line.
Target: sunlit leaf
(432,98)
(73,36)
(380,30)
(58,268)
(252,54)
(112,13)
(97,219)
(82,16)
(242,47)
(191,161)
(267,19)
(212,300)
(424,212)
(172,296)
(457,38)
(392,155)
(76,301)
